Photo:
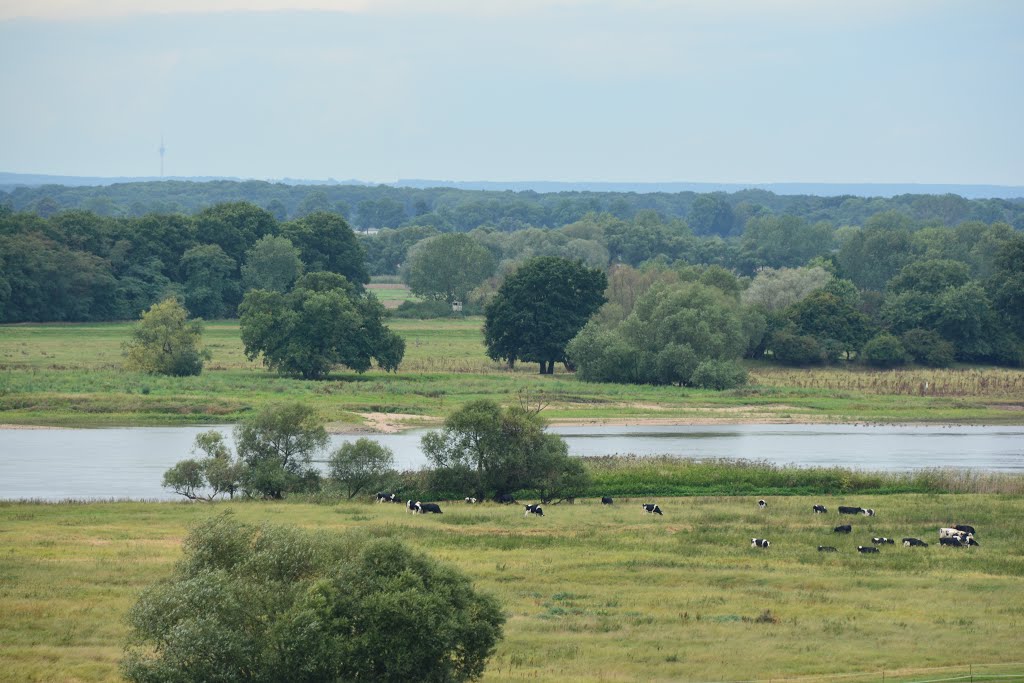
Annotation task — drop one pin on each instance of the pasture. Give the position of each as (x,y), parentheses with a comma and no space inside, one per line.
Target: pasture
(70,375)
(592,592)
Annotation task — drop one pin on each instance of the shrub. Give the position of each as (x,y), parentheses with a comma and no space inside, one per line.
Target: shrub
(884,351)
(719,375)
(165,342)
(273,603)
(927,347)
(796,349)
(423,310)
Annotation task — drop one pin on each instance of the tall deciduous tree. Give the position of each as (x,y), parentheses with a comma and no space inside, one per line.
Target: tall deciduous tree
(489,450)
(234,226)
(211,290)
(361,465)
(324,321)
(447,267)
(273,264)
(539,308)
(166,342)
(277,446)
(327,243)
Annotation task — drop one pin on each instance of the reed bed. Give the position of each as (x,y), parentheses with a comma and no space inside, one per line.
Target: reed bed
(633,475)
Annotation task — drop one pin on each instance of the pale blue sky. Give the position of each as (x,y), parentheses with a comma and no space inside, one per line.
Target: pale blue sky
(600,90)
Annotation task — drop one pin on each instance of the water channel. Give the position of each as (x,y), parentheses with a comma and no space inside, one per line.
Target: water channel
(58,464)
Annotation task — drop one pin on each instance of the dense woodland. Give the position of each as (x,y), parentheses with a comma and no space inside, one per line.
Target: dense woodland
(812,279)
(456,210)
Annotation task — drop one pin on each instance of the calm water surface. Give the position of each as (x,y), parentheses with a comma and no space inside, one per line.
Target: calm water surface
(55,464)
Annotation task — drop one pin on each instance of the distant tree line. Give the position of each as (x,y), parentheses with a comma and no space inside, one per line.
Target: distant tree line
(457,210)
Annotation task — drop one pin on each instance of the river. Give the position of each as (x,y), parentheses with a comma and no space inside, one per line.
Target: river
(58,464)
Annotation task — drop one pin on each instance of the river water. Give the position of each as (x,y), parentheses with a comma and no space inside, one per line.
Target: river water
(57,464)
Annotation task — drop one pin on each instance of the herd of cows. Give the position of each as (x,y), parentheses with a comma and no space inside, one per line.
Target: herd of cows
(957,536)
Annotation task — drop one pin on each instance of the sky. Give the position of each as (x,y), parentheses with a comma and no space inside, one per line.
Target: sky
(922,91)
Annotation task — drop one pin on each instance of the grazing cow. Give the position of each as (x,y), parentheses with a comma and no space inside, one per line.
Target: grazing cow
(949,532)
(912,542)
(505,499)
(867,549)
(605,500)
(843,529)
(847,510)
(759,543)
(762,504)
(411,507)
(424,508)
(826,549)
(953,541)
(383,497)
(868,512)
(652,509)
(470,500)
(533,510)
(965,528)
(820,509)
(879,541)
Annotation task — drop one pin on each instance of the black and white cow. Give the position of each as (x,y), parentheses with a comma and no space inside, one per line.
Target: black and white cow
(411,507)
(965,528)
(953,541)
(505,499)
(652,509)
(826,549)
(867,549)
(533,510)
(820,509)
(470,500)
(759,543)
(424,508)
(383,497)
(867,512)
(843,529)
(880,541)
(762,504)
(952,532)
(849,510)
(914,542)
(606,500)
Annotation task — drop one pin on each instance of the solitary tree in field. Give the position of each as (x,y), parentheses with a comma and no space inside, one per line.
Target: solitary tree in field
(539,308)
(322,322)
(166,342)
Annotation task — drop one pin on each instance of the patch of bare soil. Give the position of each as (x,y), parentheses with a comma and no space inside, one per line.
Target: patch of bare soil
(382,423)
(6,426)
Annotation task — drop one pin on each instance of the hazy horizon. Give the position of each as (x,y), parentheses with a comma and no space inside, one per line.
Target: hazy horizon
(576,91)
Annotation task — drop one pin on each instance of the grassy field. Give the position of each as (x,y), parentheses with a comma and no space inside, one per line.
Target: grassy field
(65,374)
(591,592)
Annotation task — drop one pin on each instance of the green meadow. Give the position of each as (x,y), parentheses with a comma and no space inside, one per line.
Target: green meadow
(592,593)
(71,375)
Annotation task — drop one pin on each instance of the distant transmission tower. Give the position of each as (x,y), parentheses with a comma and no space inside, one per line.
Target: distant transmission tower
(162,150)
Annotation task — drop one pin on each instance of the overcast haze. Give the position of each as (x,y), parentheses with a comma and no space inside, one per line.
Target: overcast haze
(746,91)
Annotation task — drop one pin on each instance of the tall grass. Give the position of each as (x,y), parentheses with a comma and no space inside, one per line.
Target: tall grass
(632,475)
